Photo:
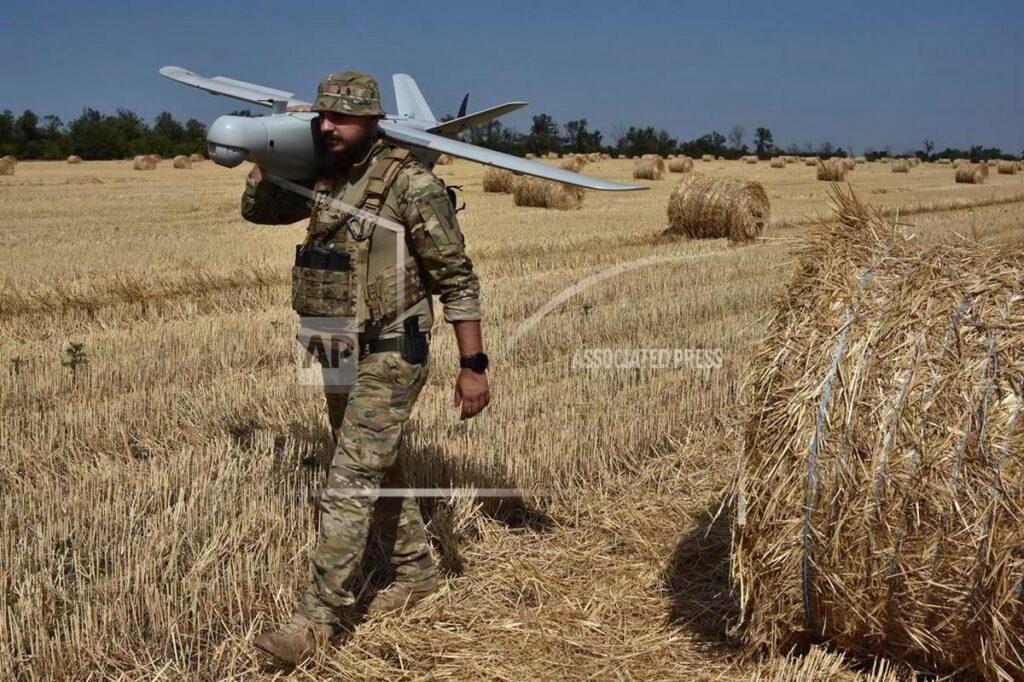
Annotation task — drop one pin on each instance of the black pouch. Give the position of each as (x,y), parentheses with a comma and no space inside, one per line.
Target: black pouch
(413,344)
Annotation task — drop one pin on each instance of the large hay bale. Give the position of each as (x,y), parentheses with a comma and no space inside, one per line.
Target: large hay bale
(181,161)
(900,166)
(498,180)
(881,487)
(885,159)
(833,170)
(10,159)
(572,163)
(530,191)
(7,166)
(196,158)
(658,161)
(551,155)
(707,158)
(849,164)
(444,160)
(681,164)
(944,162)
(74,159)
(704,207)
(972,174)
(778,162)
(751,159)
(531,155)
(812,161)
(144,163)
(1007,168)
(646,169)
(860,160)
(959,162)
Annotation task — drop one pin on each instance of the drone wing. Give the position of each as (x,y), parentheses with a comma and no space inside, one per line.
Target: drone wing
(444,145)
(229,87)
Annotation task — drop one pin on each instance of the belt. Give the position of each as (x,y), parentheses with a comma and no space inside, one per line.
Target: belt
(389,345)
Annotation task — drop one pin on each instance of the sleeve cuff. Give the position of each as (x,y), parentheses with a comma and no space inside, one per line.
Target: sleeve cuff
(462,309)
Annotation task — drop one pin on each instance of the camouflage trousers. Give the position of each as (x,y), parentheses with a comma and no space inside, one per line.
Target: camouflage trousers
(367,423)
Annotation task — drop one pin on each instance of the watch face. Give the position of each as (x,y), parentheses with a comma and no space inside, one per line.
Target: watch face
(477,362)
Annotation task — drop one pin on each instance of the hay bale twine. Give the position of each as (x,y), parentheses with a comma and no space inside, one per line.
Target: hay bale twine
(144,163)
(707,158)
(572,163)
(74,159)
(538,193)
(646,169)
(701,207)
(196,158)
(972,174)
(182,161)
(1007,168)
(498,180)
(833,170)
(7,166)
(880,483)
(900,166)
(680,164)
(778,162)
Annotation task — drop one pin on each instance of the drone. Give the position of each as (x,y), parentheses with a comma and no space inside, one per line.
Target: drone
(287,143)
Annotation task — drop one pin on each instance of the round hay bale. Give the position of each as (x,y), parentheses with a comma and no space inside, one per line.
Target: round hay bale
(707,158)
(658,161)
(971,174)
(812,161)
(944,162)
(751,159)
(572,163)
(10,159)
(721,158)
(551,155)
(778,162)
(884,159)
(860,160)
(880,487)
(1007,168)
(498,180)
(444,160)
(196,158)
(531,155)
(681,164)
(7,166)
(900,166)
(74,159)
(646,169)
(833,170)
(701,207)
(538,193)
(959,162)
(183,162)
(849,164)
(144,163)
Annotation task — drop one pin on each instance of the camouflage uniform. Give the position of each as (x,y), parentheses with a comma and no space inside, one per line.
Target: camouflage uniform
(367,420)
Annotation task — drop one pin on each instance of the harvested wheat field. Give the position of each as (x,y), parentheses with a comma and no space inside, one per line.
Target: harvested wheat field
(160,462)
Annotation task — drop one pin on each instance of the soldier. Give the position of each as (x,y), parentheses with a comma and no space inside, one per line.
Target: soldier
(347,268)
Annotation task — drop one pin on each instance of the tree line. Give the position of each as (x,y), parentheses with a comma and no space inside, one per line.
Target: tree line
(94,135)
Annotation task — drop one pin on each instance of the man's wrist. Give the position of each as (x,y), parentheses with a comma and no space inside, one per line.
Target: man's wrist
(477,362)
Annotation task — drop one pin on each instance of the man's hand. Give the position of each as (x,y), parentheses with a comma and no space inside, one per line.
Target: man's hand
(472,392)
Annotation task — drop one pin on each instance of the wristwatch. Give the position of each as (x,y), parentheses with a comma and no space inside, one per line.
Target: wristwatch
(477,362)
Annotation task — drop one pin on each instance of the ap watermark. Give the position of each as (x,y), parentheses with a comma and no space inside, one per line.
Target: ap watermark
(594,359)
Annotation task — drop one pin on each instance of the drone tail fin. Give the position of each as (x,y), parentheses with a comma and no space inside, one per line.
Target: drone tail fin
(410,100)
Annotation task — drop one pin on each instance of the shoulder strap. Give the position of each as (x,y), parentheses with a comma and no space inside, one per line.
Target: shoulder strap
(382,176)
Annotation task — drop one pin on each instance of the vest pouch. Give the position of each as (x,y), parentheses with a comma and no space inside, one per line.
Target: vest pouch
(322,282)
(394,290)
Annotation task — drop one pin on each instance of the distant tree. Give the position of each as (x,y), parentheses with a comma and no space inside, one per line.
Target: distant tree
(242,112)
(929,145)
(764,142)
(543,137)
(580,139)
(736,136)
(639,141)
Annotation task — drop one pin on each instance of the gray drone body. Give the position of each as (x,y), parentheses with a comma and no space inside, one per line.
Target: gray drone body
(287,144)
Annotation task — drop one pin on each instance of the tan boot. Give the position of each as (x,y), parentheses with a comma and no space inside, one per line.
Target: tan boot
(295,642)
(401,595)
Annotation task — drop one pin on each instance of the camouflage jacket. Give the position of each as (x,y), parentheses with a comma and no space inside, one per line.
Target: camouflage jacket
(417,200)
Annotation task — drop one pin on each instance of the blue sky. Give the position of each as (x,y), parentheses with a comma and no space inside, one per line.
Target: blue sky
(856,74)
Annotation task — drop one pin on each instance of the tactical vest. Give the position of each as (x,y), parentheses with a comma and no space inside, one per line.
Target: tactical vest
(349,264)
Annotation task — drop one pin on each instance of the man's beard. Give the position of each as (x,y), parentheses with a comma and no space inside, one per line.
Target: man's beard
(353,153)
